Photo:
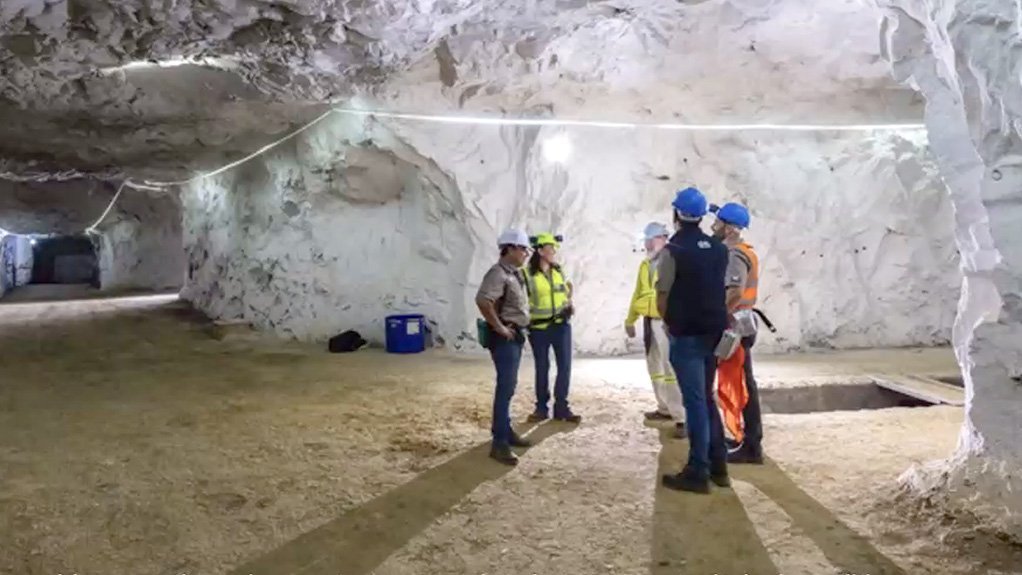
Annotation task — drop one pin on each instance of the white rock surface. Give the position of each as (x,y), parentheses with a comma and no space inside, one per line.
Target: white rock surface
(356,219)
(965,57)
(15,261)
(140,243)
(100,86)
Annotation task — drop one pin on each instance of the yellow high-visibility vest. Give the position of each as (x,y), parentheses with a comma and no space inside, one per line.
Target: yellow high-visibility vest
(548,297)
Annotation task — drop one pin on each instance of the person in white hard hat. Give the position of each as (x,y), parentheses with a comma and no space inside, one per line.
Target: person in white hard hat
(658,357)
(504,303)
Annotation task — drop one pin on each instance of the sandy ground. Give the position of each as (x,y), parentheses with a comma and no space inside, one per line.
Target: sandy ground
(134,442)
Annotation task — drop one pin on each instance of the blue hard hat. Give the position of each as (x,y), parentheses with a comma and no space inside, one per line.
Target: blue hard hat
(735,214)
(690,203)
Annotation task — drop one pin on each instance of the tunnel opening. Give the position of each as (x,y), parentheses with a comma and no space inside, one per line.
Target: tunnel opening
(64,260)
(839,397)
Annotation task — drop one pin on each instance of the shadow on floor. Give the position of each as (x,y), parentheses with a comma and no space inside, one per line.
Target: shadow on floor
(698,534)
(701,534)
(843,547)
(362,538)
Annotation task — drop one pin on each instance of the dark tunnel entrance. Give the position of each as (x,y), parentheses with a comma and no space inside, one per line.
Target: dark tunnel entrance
(64,260)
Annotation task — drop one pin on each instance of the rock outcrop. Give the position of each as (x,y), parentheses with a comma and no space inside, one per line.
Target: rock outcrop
(965,57)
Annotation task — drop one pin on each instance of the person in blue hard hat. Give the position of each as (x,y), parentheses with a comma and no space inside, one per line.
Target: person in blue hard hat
(742,282)
(691,299)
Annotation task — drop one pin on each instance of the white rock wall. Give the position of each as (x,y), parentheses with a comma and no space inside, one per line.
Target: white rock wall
(355,220)
(15,261)
(965,57)
(140,246)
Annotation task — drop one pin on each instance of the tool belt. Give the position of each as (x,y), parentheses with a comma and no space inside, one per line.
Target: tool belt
(487,336)
(563,316)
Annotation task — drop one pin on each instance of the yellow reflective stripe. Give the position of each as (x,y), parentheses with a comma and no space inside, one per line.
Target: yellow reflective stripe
(548,298)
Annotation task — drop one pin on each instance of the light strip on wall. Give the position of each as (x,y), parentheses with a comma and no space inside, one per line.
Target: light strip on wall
(498,121)
(493,121)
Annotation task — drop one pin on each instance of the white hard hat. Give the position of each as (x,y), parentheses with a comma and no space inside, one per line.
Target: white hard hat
(513,237)
(655,230)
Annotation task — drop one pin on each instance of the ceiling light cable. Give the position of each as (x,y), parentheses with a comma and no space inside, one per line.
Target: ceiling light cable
(92,229)
(254,154)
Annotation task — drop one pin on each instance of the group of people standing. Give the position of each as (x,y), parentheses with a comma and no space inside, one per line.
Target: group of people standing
(690,289)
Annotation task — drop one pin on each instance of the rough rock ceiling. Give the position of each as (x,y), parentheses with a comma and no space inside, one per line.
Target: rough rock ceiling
(85,85)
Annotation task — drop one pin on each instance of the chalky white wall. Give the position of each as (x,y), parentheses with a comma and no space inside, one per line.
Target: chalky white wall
(965,57)
(356,219)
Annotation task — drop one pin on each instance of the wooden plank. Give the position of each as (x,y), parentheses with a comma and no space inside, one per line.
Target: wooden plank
(919,387)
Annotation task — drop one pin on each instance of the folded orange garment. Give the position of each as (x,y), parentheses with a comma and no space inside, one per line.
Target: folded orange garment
(732,394)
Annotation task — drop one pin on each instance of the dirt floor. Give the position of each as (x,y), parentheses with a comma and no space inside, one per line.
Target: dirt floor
(136,442)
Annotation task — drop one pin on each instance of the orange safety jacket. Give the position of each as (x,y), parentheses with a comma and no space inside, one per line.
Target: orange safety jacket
(751,291)
(732,394)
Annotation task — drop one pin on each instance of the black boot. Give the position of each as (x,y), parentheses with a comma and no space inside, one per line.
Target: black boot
(519,441)
(568,417)
(718,474)
(745,454)
(504,455)
(687,481)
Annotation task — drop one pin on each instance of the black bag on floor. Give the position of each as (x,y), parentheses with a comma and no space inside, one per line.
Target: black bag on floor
(346,342)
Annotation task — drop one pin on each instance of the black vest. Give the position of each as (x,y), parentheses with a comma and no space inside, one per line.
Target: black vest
(697,303)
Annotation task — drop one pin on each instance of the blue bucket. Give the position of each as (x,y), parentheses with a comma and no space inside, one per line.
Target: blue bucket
(406,334)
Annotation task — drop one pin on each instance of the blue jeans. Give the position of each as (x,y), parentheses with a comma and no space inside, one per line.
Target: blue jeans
(507,356)
(557,336)
(696,368)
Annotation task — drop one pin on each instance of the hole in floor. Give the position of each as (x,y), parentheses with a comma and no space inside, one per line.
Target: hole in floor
(840,397)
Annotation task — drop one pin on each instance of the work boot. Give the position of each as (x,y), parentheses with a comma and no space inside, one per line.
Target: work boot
(657,416)
(745,454)
(504,455)
(680,432)
(537,416)
(568,418)
(686,481)
(719,476)
(519,441)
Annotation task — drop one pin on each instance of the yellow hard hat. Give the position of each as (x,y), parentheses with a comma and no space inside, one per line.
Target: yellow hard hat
(546,239)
